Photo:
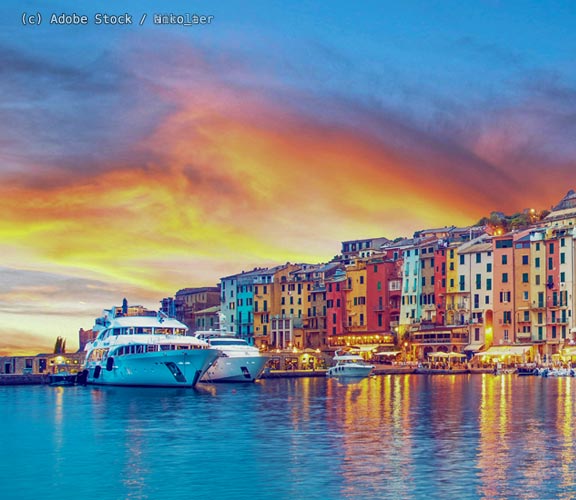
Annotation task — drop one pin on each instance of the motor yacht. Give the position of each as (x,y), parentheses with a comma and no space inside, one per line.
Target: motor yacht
(237,360)
(349,364)
(138,347)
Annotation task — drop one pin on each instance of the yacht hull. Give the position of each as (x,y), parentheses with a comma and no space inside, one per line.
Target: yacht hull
(349,371)
(235,369)
(176,368)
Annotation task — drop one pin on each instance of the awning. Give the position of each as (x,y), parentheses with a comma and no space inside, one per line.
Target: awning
(569,351)
(505,350)
(473,347)
(438,354)
(366,348)
(456,355)
(387,353)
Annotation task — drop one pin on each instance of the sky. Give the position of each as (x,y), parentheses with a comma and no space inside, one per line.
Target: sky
(138,160)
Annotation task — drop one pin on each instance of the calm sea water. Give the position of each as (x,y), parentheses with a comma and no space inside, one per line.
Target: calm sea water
(400,436)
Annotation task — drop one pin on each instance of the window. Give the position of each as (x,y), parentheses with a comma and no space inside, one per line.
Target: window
(537,262)
(461,260)
(504,277)
(489,284)
(489,267)
(551,247)
(361,280)
(525,278)
(504,259)
(478,258)
(562,276)
(504,244)
(524,260)
(562,257)
(550,263)
(537,279)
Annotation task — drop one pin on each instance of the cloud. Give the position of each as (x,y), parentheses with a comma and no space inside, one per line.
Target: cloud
(16,342)
(187,165)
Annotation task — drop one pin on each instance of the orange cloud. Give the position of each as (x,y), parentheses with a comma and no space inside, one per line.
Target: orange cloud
(232,179)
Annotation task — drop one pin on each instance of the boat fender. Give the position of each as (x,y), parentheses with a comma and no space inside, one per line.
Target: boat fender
(82,377)
(109,364)
(97,371)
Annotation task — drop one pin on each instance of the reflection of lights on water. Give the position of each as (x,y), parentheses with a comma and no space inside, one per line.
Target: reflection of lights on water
(565,422)
(493,459)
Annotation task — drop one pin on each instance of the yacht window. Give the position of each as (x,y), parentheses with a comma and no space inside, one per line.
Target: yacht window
(227,342)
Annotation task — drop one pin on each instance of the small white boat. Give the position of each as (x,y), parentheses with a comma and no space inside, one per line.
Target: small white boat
(237,360)
(349,365)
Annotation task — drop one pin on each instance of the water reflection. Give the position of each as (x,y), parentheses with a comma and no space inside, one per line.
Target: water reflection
(401,436)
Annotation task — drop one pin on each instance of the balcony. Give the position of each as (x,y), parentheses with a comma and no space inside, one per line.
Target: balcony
(440,338)
(538,305)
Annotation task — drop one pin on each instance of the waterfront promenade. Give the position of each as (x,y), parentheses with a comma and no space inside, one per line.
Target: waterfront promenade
(380,369)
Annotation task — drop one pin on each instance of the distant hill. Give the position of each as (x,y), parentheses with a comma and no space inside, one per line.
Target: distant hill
(501,223)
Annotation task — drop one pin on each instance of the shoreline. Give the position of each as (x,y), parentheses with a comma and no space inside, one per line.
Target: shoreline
(43,379)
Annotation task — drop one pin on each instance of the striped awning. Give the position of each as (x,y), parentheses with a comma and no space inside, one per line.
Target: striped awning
(505,350)
(473,347)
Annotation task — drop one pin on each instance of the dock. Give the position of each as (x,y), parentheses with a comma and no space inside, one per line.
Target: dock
(25,379)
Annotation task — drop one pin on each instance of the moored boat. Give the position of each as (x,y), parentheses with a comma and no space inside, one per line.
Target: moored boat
(137,347)
(237,360)
(62,379)
(350,365)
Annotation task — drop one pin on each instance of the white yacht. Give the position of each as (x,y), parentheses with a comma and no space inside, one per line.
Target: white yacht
(350,365)
(237,360)
(138,347)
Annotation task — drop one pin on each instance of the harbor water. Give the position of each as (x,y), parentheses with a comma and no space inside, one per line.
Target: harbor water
(393,436)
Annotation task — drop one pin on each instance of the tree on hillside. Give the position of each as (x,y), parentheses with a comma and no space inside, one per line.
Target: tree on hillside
(60,346)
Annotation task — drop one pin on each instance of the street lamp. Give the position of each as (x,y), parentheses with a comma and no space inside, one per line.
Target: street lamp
(405,351)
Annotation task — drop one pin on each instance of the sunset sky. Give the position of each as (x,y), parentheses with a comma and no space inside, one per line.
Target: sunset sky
(139,160)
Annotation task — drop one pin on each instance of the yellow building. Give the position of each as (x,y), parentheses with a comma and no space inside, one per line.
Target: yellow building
(268,307)
(537,290)
(451,284)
